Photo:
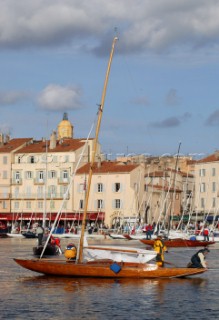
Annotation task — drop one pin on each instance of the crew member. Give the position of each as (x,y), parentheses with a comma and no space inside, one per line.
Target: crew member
(198,259)
(40,232)
(160,248)
(71,252)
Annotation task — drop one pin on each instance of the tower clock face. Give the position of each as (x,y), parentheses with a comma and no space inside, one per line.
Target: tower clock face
(63,131)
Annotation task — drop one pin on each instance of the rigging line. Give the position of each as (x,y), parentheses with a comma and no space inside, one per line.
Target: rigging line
(66,193)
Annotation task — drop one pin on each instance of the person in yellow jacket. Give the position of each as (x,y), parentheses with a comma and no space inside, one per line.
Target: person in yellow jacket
(160,248)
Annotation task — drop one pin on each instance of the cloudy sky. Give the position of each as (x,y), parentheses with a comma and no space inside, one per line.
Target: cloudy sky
(163,86)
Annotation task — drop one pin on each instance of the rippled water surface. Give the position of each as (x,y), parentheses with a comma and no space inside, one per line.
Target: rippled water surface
(27,295)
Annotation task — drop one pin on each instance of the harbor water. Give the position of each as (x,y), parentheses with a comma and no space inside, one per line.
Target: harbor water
(27,295)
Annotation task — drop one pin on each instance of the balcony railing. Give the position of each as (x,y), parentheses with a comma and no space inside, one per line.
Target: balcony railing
(35,196)
(17,181)
(5,196)
(63,180)
(39,181)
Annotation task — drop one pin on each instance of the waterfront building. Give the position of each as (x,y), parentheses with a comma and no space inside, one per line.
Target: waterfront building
(207,187)
(7,155)
(117,192)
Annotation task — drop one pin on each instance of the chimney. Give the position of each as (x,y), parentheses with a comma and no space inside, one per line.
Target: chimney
(1,139)
(7,138)
(99,162)
(52,144)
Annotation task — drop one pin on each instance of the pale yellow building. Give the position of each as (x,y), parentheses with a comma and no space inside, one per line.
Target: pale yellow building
(207,185)
(117,192)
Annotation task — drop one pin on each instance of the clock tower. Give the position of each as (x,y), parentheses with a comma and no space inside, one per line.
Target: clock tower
(65,128)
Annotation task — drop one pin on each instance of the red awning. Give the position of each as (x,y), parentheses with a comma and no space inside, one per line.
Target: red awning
(52,216)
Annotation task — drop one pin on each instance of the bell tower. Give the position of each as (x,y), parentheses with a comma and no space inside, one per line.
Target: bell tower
(65,128)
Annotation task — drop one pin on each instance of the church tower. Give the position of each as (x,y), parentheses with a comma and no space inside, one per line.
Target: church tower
(65,128)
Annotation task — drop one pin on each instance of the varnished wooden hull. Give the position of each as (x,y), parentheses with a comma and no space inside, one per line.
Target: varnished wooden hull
(174,243)
(97,269)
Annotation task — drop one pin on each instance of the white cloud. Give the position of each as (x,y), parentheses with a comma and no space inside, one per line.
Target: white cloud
(143,25)
(56,98)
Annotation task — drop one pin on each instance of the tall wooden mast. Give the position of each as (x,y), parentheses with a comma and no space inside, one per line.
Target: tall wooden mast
(100,112)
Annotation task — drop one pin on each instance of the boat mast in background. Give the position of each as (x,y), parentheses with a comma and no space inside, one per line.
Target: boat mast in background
(100,112)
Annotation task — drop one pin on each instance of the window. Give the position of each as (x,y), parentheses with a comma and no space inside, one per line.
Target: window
(99,203)
(16,205)
(29,174)
(52,191)
(202,203)
(52,174)
(17,175)
(64,189)
(5,160)
(117,187)
(117,203)
(202,172)
(5,174)
(28,204)
(99,187)
(52,204)
(213,186)
(40,204)
(65,174)
(40,191)
(4,204)
(81,204)
(40,176)
(16,192)
(213,202)
(213,172)
(28,191)
(202,187)
(19,159)
(32,159)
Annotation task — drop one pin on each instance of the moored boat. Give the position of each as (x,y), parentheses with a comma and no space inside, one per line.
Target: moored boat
(29,234)
(174,243)
(50,250)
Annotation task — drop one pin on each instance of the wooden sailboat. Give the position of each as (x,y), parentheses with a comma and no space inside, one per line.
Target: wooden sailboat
(101,268)
(174,243)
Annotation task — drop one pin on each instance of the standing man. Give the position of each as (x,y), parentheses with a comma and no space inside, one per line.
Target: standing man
(39,232)
(160,248)
(206,233)
(149,231)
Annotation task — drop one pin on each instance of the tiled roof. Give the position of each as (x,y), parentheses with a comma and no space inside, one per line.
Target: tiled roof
(211,158)
(13,144)
(64,146)
(108,167)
